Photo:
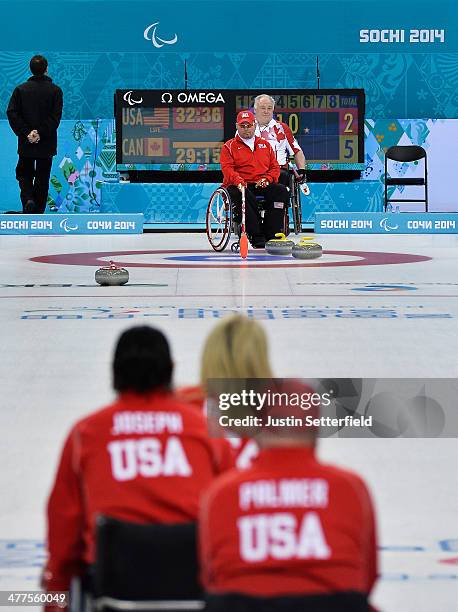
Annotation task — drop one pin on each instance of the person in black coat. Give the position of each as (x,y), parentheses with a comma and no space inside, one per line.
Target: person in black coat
(34,113)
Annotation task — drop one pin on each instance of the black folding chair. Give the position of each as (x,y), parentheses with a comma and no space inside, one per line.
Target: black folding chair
(146,567)
(408,154)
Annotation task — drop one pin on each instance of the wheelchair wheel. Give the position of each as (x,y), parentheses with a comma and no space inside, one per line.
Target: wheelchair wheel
(296,209)
(219,219)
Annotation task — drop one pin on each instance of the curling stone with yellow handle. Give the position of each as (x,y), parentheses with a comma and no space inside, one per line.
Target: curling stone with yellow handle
(307,249)
(279,245)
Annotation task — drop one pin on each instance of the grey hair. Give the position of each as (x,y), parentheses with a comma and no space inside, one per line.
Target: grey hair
(257,99)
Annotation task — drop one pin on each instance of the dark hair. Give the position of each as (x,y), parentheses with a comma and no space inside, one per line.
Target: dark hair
(142,361)
(38,65)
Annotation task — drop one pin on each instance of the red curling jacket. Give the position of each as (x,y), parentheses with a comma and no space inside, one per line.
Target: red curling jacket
(144,458)
(289,525)
(244,450)
(242,165)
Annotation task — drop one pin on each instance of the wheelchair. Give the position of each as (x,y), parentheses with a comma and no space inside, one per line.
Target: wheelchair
(295,202)
(151,567)
(220,223)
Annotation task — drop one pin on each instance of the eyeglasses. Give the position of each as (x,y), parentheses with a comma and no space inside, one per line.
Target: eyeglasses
(245,125)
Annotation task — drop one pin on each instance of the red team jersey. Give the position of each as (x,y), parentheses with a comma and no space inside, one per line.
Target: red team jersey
(144,459)
(288,525)
(239,163)
(280,138)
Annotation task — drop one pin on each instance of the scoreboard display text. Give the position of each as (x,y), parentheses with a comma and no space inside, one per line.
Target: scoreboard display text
(328,124)
(157,131)
(184,130)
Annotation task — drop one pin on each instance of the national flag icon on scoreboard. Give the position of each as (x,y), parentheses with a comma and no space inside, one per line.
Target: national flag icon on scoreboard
(157,147)
(159,118)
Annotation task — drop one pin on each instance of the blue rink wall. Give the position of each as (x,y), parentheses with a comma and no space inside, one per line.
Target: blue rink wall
(84,178)
(93,48)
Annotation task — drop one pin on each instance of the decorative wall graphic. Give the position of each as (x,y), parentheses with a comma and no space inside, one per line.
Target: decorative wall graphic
(76,183)
(398,85)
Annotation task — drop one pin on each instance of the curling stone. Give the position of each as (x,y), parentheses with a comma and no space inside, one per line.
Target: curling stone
(307,249)
(279,245)
(111,275)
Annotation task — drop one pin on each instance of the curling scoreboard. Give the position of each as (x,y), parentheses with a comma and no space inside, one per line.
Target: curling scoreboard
(170,131)
(326,123)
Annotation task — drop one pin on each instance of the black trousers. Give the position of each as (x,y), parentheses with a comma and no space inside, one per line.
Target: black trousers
(33,178)
(276,198)
(283,179)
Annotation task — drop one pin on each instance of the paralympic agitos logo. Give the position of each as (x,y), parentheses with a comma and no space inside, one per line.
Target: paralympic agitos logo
(151,34)
(189,97)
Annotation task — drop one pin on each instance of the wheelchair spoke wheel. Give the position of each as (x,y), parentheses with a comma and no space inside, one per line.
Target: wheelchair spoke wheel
(219,219)
(296,209)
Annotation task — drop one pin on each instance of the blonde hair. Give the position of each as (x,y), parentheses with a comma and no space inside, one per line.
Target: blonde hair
(235,348)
